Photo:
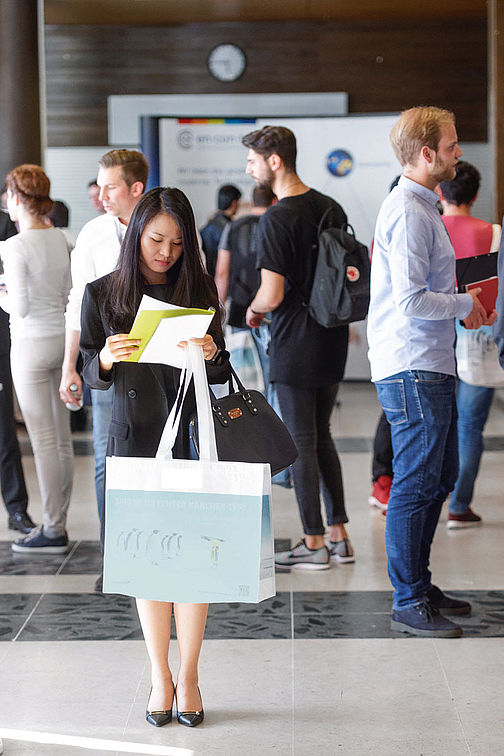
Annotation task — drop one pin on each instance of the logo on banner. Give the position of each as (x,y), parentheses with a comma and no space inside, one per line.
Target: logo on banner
(185,139)
(340,163)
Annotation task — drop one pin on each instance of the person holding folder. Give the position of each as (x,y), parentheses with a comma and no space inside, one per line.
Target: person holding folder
(159,257)
(470,236)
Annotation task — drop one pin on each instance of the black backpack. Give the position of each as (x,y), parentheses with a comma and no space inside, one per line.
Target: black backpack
(340,290)
(244,278)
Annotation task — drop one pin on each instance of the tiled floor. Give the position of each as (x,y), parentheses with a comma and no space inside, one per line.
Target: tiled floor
(314,670)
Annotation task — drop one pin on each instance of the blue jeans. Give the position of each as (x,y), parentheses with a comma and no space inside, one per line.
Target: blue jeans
(262,340)
(102,413)
(421,409)
(473,405)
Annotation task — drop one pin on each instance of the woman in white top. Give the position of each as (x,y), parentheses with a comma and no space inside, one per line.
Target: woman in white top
(37,277)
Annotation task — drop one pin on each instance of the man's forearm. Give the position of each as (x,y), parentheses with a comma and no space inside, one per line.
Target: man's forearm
(71,349)
(69,373)
(262,303)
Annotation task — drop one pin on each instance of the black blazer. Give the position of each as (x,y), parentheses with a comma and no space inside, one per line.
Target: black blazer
(143,393)
(7,229)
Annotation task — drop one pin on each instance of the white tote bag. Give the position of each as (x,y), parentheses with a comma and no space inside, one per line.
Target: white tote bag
(189,531)
(477,358)
(245,358)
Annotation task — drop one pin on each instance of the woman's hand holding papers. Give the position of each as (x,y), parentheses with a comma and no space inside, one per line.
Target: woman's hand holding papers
(207,343)
(117,347)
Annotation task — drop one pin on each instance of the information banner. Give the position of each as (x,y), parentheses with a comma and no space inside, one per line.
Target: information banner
(349,158)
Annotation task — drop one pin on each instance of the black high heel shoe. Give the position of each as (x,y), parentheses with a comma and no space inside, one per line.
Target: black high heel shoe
(157,718)
(190,718)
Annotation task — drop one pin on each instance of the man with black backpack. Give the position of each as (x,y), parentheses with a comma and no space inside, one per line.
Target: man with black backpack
(228,200)
(307,360)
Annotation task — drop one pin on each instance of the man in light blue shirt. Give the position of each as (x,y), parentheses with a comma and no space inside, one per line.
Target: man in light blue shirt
(411,334)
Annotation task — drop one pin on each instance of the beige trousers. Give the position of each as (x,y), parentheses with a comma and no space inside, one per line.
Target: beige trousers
(36,372)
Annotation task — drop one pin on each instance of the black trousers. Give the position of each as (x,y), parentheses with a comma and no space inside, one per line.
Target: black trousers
(12,480)
(306,412)
(382,449)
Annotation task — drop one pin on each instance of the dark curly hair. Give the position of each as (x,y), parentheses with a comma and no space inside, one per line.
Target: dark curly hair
(464,187)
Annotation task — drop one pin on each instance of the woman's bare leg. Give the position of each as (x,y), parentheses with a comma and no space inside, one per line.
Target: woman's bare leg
(155,618)
(190,620)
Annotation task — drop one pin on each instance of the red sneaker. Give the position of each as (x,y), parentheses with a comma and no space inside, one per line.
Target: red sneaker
(467,520)
(381,492)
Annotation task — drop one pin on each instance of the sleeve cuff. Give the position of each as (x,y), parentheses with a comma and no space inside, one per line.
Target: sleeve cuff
(464,306)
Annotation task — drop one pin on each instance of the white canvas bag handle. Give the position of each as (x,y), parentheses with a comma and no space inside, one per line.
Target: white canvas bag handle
(195,367)
(170,430)
(206,429)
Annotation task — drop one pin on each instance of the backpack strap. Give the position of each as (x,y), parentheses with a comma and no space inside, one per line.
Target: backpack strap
(320,228)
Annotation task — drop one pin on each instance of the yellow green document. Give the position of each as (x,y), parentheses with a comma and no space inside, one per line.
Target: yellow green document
(160,326)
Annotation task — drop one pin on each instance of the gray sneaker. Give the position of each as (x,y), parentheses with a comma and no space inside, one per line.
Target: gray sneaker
(341,551)
(303,558)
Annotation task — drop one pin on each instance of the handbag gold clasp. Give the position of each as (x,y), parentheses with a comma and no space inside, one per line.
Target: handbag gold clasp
(234,413)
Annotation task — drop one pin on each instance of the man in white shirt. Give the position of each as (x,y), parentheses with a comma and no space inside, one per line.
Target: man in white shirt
(122,178)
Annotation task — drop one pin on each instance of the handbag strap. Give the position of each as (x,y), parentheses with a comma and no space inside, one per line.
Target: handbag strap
(239,385)
(245,394)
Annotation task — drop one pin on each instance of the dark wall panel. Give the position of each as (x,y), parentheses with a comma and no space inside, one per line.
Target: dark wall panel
(383,66)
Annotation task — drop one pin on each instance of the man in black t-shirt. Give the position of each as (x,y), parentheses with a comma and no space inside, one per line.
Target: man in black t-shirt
(307,361)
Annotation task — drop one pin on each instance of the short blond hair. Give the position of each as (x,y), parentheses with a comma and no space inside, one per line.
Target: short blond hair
(416,128)
(133,164)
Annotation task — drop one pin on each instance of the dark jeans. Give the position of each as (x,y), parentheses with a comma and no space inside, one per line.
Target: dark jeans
(382,449)
(306,413)
(12,479)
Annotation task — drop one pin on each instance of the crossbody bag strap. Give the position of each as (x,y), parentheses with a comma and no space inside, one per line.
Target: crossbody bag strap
(320,227)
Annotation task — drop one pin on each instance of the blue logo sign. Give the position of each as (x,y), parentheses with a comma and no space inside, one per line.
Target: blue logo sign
(339,163)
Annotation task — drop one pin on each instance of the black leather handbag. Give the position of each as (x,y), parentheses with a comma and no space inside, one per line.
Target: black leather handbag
(247,429)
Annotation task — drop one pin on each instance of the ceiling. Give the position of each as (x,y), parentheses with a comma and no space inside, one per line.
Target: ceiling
(167,12)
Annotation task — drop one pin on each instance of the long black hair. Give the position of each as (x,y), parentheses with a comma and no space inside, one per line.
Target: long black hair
(193,286)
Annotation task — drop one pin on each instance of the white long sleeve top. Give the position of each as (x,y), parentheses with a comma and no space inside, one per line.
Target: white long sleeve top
(95,255)
(36,266)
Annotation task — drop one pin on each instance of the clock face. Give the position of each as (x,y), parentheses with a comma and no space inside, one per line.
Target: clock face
(227,62)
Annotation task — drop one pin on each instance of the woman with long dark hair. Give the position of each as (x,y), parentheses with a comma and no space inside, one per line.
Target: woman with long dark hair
(159,257)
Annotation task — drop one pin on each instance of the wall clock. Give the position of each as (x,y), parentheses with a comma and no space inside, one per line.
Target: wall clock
(227,62)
